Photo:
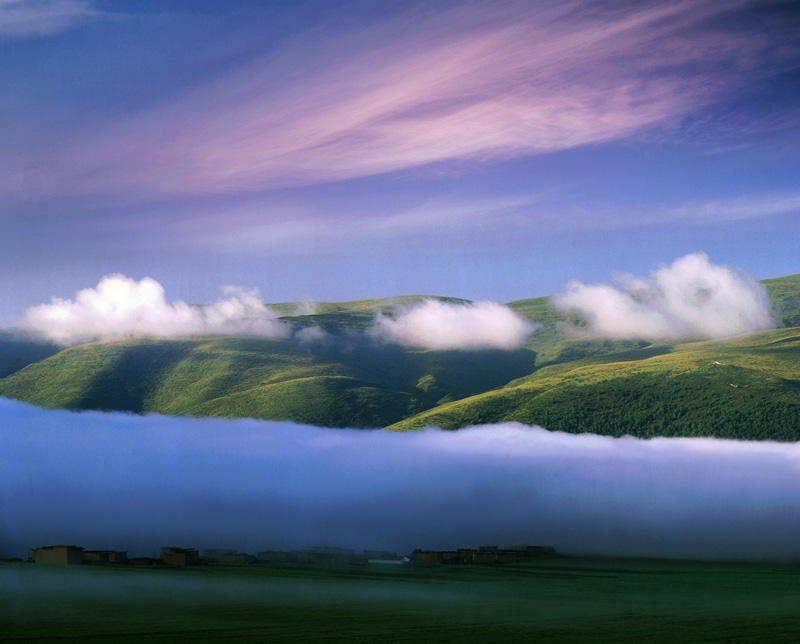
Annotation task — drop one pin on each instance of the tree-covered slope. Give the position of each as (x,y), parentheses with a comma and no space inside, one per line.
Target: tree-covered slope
(744,387)
(343,381)
(19,350)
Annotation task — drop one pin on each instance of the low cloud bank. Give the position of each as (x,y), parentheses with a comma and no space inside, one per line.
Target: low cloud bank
(432,324)
(689,298)
(120,307)
(109,480)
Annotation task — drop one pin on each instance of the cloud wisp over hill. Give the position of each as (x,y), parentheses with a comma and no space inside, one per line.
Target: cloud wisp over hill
(123,481)
(432,324)
(689,298)
(121,307)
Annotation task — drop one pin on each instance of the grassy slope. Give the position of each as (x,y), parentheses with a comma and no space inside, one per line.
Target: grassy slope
(553,600)
(784,292)
(18,351)
(754,392)
(350,381)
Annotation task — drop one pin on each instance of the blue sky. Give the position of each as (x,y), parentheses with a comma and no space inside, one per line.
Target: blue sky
(332,151)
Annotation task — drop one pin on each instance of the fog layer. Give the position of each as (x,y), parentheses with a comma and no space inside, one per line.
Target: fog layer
(110,480)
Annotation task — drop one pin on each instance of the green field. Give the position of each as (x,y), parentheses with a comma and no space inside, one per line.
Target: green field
(563,599)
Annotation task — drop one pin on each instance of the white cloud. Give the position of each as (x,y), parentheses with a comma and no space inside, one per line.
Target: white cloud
(307,307)
(120,307)
(690,297)
(110,480)
(29,18)
(432,324)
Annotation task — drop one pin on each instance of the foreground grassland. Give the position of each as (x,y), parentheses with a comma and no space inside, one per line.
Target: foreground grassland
(554,600)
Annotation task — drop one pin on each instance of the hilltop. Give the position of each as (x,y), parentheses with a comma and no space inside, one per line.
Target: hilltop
(741,387)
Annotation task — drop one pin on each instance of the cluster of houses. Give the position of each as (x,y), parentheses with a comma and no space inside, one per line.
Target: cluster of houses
(319,555)
(481,555)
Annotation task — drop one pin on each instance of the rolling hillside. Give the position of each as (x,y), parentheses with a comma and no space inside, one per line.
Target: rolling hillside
(743,387)
(350,381)
(746,387)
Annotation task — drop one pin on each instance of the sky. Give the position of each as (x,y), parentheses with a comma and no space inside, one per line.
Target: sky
(335,151)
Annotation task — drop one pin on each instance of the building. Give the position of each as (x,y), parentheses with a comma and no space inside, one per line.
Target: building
(58,555)
(238,558)
(214,555)
(273,556)
(174,556)
(483,555)
(105,556)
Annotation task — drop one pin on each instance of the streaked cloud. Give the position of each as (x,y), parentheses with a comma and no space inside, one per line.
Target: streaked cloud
(471,84)
(32,18)
(753,206)
(689,298)
(432,324)
(276,229)
(108,480)
(120,307)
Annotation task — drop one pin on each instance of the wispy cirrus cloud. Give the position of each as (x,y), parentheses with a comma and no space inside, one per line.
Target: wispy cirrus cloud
(753,206)
(276,228)
(32,18)
(471,84)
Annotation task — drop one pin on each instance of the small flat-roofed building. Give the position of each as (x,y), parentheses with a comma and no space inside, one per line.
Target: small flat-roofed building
(427,556)
(238,558)
(95,556)
(380,554)
(273,556)
(213,555)
(58,555)
(173,556)
(105,556)
(117,556)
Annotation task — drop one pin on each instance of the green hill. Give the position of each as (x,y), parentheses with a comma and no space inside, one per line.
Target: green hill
(18,351)
(744,387)
(349,381)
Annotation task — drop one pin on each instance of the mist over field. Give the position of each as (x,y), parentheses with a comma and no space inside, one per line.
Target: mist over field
(111,480)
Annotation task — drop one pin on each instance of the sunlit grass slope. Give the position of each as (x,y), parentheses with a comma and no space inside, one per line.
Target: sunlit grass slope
(784,293)
(744,387)
(344,381)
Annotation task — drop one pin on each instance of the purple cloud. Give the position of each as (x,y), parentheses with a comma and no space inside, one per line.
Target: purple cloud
(470,84)
(31,18)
